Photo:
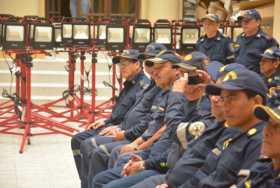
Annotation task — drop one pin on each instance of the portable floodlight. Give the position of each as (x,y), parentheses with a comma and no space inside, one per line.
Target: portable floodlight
(43,36)
(13,35)
(67,31)
(29,22)
(163,33)
(100,34)
(3,19)
(57,27)
(189,36)
(115,37)
(81,32)
(142,34)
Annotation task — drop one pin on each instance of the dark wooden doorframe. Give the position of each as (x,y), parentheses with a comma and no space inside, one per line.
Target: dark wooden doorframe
(57,8)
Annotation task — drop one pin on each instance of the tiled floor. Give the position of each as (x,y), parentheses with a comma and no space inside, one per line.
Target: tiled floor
(47,163)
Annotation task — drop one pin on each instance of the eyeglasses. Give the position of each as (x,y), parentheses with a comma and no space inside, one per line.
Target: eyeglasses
(149,63)
(228,99)
(246,20)
(126,62)
(175,67)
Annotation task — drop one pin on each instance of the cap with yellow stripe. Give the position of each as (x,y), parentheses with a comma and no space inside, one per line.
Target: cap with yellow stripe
(266,113)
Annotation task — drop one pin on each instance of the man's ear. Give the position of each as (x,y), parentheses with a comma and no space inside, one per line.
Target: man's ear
(259,22)
(258,99)
(276,64)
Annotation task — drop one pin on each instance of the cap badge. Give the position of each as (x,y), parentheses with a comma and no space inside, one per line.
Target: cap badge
(230,76)
(188,57)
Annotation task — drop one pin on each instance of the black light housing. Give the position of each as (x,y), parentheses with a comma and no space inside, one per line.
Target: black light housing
(190,33)
(43,36)
(13,34)
(100,34)
(115,36)
(81,32)
(56,22)
(142,34)
(67,31)
(3,19)
(29,22)
(163,33)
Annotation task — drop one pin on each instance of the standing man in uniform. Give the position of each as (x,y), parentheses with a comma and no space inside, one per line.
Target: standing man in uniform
(214,44)
(252,42)
(270,69)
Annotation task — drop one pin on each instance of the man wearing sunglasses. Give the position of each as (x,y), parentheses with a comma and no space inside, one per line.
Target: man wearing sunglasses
(135,82)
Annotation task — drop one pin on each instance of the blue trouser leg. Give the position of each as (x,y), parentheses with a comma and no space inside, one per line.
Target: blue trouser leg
(150,182)
(114,156)
(106,176)
(131,180)
(99,158)
(114,173)
(76,143)
(87,147)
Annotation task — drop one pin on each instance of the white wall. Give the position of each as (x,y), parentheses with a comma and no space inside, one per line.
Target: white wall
(161,9)
(22,7)
(276,20)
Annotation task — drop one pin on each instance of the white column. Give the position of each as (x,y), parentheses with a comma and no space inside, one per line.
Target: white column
(276,20)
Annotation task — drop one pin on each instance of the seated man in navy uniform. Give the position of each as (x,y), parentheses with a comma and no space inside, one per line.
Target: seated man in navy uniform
(240,91)
(198,148)
(270,69)
(265,173)
(136,81)
(143,120)
(214,44)
(252,42)
(199,61)
(184,105)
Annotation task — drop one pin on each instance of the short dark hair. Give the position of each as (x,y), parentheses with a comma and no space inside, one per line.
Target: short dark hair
(251,94)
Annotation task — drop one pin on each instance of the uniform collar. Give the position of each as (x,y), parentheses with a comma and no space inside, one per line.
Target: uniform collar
(218,36)
(259,34)
(137,77)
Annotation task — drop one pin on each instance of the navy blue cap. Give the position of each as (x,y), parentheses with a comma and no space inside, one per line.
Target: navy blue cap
(213,69)
(230,67)
(271,53)
(164,56)
(239,80)
(250,14)
(266,113)
(130,54)
(196,59)
(211,17)
(152,50)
